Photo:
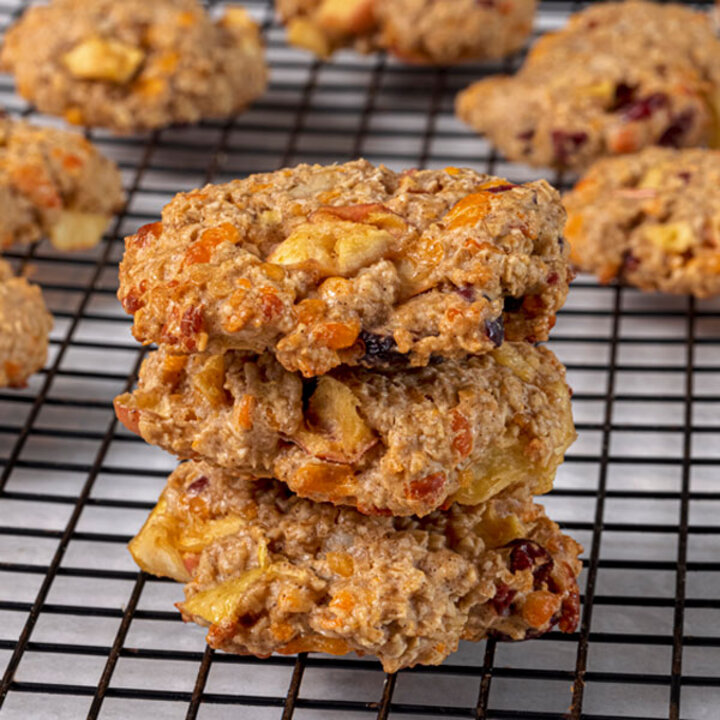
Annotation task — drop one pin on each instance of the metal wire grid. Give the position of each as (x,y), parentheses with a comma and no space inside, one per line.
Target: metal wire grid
(83,634)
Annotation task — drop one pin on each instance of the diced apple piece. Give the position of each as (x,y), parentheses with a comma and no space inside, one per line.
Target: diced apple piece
(673,237)
(304,34)
(308,243)
(104,59)
(221,602)
(523,366)
(359,247)
(349,17)
(334,430)
(196,537)
(153,548)
(78,230)
(336,247)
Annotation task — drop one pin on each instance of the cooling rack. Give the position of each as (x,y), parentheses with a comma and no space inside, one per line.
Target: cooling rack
(84,634)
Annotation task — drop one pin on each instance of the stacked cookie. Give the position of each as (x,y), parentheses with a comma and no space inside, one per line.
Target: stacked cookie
(346,359)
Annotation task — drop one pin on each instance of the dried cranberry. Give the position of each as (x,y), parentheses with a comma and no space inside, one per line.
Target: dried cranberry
(500,188)
(512,304)
(503,599)
(624,95)
(526,555)
(467,292)
(485,3)
(645,107)
(527,135)
(567,143)
(552,278)
(630,262)
(685,177)
(197,486)
(495,330)
(674,133)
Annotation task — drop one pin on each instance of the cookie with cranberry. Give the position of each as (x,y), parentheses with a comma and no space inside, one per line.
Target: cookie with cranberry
(54,183)
(269,572)
(134,65)
(350,264)
(651,219)
(417,31)
(617,78)
(25,325)
(404,442)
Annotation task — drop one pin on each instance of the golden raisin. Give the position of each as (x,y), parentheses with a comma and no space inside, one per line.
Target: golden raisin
(539,607)
(337,336)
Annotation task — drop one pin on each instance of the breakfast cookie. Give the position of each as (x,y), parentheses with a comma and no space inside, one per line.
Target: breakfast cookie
(651,219)
(404,442)
(135,65)
(618,77)
(54,183)
(25,325)
(350,264)
(417,31)
(270,572)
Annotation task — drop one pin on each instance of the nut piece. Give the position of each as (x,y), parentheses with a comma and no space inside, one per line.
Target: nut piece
(333,245)
(335,431)
(78,230)
(100,59)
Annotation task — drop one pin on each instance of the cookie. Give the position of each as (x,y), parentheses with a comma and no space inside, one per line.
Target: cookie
(25,325)
(350,264)
(651,219)
(54,183)
(135,65)
(404,442)
(617,78)
(270,572)
(417,31)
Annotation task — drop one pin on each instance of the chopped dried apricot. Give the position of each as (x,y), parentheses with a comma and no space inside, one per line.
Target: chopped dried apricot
(343,601)
(315,643)
(244,412)
(468,211)
(201,250)
(330,480)
(341,563)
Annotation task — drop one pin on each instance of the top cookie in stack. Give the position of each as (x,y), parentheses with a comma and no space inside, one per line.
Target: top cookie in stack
(350,264)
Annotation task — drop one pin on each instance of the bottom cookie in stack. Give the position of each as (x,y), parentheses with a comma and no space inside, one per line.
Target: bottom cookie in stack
(268,571)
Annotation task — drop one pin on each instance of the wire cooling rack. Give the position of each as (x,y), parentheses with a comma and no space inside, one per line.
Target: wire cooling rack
(84,634)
